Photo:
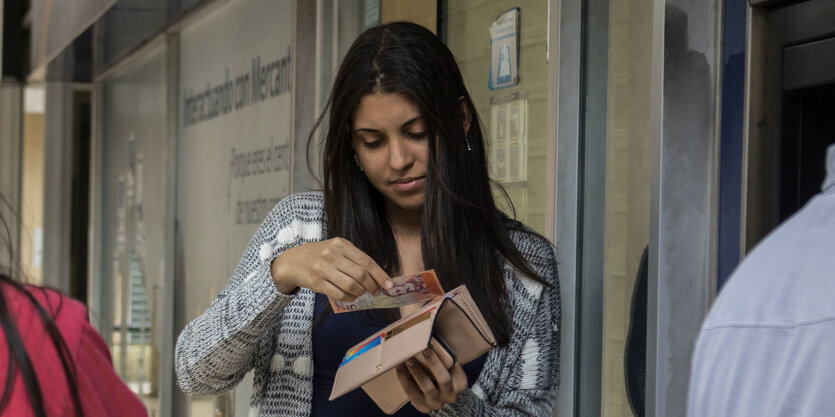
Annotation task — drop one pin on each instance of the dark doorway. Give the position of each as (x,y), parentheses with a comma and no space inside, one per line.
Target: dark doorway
(82,132)
(808,129)
(791,104)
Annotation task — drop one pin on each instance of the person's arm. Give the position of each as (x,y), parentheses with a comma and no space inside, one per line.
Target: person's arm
(530,387)
(215,350)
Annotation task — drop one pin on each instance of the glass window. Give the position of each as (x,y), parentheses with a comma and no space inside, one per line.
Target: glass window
(234,149)
(133,123)
(514,118)
(422,12)
(617,139)
(32,187)
(627,206)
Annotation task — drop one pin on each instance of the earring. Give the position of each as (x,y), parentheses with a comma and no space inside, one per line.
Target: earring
(469,148)
(357,161)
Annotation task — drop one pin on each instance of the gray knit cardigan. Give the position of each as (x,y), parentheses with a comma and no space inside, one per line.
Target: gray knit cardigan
(251,325)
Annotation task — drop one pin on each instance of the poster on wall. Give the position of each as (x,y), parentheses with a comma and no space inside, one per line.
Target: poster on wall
(234,154)
(504,47)
(509,147)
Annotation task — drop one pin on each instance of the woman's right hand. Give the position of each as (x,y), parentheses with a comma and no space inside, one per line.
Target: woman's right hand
(334,267)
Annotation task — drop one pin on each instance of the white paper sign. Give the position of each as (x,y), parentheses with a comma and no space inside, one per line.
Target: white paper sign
(37,248)
(508,153)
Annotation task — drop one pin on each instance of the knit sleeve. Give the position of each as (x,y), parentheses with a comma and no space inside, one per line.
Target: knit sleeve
(216,349)
(521,378)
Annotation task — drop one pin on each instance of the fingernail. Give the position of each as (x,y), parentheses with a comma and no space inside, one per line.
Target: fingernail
(409,363)
(426,353)
(389,284)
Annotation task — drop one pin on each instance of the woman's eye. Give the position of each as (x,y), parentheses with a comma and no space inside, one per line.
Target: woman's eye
(372,143)
(417,135)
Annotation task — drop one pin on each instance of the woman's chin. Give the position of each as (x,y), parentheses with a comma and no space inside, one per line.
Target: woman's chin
(412,205)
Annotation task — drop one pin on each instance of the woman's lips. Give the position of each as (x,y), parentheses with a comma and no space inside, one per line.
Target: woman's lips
(408,184)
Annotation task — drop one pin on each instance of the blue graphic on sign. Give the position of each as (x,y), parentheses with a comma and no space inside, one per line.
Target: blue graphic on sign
(504,65)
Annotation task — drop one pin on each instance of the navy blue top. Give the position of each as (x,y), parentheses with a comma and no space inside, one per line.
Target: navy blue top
(332,337)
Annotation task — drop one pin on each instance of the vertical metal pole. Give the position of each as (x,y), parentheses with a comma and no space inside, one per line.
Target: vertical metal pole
(57,185)
(98,291)
(168,393)
(320,48)
(565,73)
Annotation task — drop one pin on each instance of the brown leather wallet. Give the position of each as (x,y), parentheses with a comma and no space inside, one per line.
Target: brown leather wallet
(451,325)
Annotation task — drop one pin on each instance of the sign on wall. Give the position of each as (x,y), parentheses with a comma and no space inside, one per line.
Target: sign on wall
(509,142)
(236,72)
(504,50)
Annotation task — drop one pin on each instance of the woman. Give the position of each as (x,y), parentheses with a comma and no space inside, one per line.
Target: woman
(405,189)
(54,362)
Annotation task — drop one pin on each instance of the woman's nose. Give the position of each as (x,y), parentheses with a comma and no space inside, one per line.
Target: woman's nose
(401,155)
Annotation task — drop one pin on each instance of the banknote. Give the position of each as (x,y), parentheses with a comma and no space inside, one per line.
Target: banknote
(408,289)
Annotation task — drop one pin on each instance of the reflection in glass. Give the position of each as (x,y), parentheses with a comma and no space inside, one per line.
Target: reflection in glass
(133,115)
(514,118)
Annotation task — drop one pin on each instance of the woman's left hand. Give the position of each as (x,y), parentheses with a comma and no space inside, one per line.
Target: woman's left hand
(428,383)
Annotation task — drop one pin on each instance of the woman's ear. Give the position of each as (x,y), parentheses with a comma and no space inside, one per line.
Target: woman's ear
(466,114)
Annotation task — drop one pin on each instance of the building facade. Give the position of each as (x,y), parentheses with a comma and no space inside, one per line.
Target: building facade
(653,142)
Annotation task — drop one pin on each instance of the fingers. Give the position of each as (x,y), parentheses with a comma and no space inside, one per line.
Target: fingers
(421,377)
(361,259)
(334,267)
(411,389)
(360,267)
(459,378)
(414,381)
(428,384)
(441,352)
(357,274)
(333,291)
(436,371)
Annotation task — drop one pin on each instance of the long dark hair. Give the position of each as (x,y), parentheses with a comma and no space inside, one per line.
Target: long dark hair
(19,360)
(464,236)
